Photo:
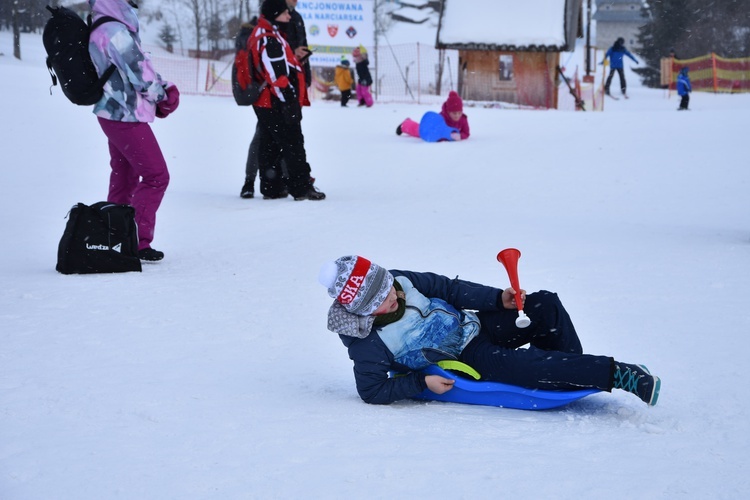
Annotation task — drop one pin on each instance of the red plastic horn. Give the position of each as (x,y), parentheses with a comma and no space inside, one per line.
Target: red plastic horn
(509,259)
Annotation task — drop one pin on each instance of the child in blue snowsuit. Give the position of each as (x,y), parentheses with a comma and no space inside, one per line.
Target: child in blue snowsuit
(615,54)
(684,88)
(403,321)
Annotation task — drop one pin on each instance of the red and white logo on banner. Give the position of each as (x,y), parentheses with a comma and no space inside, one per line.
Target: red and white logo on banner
(333,29)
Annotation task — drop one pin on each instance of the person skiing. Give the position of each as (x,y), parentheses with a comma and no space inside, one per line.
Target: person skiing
(615,55)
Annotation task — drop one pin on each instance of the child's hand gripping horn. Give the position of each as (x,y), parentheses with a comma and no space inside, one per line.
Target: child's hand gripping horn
(509,259)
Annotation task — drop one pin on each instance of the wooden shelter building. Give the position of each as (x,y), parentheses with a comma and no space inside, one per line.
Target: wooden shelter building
(509,50)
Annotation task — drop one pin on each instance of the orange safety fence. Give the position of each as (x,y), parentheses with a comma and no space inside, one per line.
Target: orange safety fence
(710,73)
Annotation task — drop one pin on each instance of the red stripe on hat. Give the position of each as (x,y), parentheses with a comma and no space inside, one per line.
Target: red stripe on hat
(361,267)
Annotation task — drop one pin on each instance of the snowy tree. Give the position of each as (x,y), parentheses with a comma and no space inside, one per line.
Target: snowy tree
(168,36)
(197,10)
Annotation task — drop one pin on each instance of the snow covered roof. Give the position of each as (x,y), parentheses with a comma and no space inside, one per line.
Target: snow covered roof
(512,25)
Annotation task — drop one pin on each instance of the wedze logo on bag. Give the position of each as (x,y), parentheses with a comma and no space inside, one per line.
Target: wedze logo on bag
(116,248)
(101,238)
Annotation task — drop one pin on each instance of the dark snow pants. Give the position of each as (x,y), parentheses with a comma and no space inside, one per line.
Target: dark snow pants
(345,96)
(554,359)
(251,165)
(279,136)
(621,72)
(684,101)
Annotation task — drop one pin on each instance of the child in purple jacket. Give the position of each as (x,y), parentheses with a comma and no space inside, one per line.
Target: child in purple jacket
(453,114)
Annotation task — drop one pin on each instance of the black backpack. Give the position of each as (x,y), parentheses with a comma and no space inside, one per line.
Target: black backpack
(66,40)
(246,70)
(101,238)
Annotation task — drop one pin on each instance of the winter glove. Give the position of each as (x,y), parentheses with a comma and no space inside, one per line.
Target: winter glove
(170,102)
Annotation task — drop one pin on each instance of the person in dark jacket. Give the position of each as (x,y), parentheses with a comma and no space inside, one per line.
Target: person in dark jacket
(684,88)
(403,321)
(616,53)
(279,108)
(295,35)
(251,164)
(297,38)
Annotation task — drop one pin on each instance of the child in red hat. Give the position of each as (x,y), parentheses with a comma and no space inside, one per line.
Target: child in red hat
(453,114)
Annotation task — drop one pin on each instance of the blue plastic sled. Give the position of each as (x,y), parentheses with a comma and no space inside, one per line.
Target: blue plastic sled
(498,394)
(432,128)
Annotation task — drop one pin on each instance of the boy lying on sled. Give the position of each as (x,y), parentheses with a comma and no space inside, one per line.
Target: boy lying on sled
(405,321)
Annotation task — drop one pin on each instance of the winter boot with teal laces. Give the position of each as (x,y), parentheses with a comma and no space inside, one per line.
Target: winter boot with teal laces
(637,380)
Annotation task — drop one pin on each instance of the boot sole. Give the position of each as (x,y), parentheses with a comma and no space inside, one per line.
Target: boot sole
(655,392)
(657,386)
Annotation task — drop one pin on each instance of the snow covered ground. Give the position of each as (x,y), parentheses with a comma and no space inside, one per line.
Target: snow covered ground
(211,375)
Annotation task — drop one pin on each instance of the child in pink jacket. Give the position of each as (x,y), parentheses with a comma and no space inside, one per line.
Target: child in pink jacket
(453,114)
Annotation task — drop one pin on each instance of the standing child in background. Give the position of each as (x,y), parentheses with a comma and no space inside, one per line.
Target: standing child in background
(344,80)
(364,79)
(453,114)
(684,88)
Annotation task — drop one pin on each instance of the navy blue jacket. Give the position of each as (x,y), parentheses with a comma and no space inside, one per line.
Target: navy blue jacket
(373,360)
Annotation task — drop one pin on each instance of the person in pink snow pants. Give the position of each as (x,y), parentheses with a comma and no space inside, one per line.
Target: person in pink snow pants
(132,97)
